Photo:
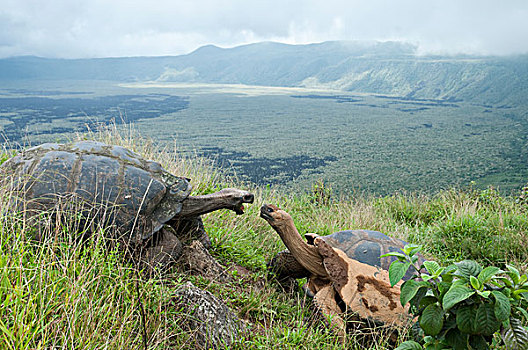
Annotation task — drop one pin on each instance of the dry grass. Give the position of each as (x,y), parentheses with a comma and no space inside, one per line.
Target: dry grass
(65,295)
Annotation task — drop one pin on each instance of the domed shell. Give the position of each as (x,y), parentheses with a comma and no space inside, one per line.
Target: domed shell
(136,195)
(367,246)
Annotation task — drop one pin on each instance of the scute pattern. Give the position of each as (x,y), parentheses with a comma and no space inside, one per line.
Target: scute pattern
(139,195)
(367,246)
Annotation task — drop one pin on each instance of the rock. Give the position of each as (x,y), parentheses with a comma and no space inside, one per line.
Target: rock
(197,259)
(212,324)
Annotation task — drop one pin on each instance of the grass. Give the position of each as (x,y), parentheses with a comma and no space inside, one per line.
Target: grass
(464,224)
(64,295)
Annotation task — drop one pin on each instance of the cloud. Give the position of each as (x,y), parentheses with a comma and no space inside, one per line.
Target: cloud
(100,28)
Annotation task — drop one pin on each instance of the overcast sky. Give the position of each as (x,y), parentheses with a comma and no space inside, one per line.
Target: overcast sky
(99,28)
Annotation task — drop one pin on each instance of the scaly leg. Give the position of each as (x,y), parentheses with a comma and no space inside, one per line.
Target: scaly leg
(325,302)
(165,249)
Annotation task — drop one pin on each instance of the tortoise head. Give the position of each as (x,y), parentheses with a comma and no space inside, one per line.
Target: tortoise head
(306,254)
(228,198)
(275,216)
(236,198)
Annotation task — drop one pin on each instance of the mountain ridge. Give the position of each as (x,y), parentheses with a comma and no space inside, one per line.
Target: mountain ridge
(392,68)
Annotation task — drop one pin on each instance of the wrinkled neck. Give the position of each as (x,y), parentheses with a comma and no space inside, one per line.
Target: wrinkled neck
(199,205)
(304,253)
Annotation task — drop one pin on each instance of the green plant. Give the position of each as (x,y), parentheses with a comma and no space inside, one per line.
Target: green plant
(5,155)
(412,209)
(321,193)
(523,196)
(463,305)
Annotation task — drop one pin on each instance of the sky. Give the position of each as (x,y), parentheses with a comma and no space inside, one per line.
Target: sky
(115,28)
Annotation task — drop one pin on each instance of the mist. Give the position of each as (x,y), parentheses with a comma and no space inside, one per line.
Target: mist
(80,29)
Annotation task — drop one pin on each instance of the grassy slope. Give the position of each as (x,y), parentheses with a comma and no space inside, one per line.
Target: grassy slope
(55,295)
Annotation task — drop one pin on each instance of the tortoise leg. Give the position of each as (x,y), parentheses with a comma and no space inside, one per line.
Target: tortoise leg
(165,248)
(325,303)
(285,265)
(286,269)
(190,229)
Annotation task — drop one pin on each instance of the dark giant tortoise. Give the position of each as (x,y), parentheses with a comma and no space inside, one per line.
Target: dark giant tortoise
(150,209)
(345,271)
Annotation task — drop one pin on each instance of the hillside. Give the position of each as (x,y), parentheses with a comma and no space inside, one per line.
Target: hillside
(385,68)
(64,295)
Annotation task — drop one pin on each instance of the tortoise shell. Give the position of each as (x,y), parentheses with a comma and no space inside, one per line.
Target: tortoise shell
(366,246)
(138,195)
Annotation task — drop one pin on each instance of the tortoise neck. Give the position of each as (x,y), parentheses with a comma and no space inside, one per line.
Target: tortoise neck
(199,205)
(307,255)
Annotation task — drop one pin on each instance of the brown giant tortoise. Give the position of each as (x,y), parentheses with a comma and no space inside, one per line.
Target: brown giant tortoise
(150,209)
(345,271)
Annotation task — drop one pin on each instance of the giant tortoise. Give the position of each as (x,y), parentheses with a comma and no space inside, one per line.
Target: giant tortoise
(345,271)
(149,208)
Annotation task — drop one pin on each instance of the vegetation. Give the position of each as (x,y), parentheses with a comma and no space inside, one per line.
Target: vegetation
(64,295)
(289,138)
(70,113)
(462,306)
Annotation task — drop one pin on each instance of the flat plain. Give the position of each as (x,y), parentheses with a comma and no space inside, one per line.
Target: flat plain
(290,137)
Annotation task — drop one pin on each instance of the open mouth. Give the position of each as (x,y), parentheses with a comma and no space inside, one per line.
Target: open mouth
(248,198)
(239,210)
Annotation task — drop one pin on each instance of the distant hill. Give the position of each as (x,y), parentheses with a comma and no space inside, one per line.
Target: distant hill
(385,68)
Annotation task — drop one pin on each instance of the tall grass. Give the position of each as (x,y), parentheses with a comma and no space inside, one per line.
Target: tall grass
(464,224)
(61,294)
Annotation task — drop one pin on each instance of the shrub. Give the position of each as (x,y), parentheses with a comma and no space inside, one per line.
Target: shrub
(463,305)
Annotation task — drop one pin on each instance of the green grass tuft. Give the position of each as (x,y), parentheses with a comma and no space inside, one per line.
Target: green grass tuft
(65,295)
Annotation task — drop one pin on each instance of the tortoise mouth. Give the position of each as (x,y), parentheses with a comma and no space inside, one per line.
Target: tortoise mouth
(239,207)
(239,210)
(264,213)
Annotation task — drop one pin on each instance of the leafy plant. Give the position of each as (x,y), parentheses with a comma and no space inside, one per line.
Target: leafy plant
(463,305)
